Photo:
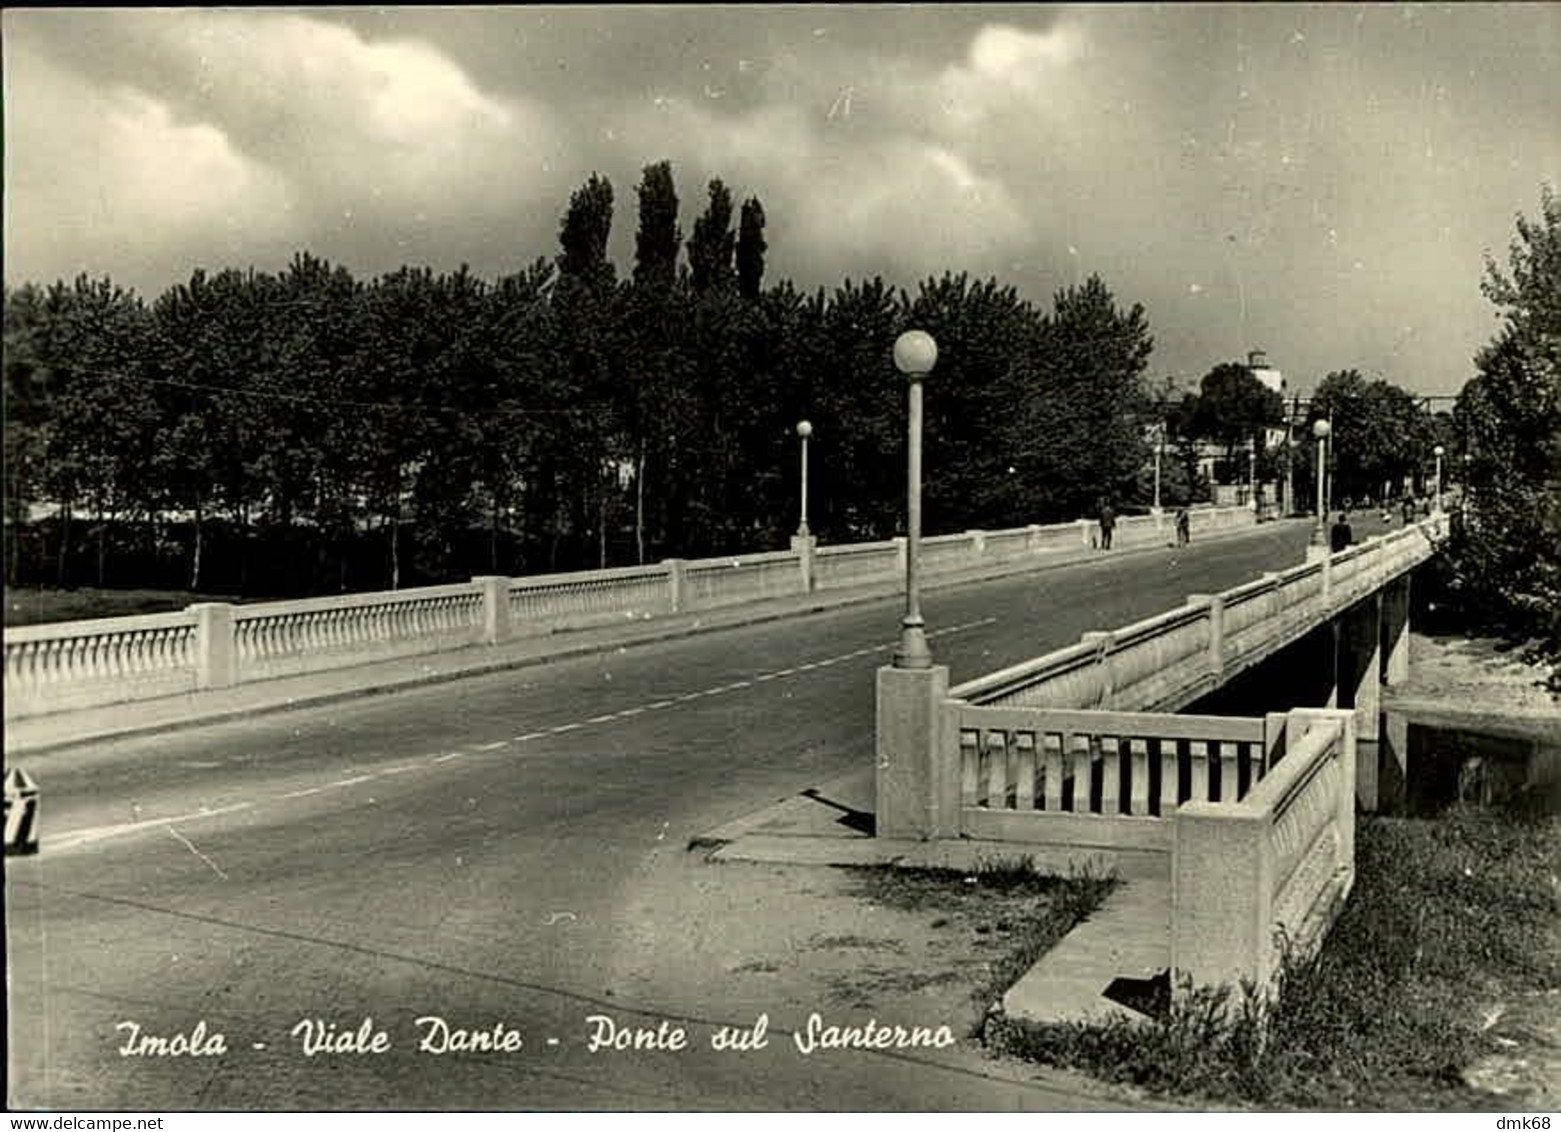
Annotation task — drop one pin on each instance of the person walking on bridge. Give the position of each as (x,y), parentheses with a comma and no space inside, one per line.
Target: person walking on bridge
(1108,523)
(1341,535)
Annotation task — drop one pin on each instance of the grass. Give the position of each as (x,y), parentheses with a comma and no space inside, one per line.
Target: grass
(31,606)
(1448,917)
(1005,898)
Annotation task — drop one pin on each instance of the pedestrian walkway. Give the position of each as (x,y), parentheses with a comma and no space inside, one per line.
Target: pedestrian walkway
(1123,947)
(38,733)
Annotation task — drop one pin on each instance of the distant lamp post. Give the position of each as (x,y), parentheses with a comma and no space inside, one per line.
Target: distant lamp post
(915,353)
(804,430)
(1437,496)
(1159,448)
(1291,444)
(1252,476)
(1320,430)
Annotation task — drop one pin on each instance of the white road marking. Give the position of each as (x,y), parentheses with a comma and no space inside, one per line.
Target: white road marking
(530,735)
(559,730)
(602,718)
(353,781)
(304,793)
(397,769)
(494,746)
(97,833)
(447,758)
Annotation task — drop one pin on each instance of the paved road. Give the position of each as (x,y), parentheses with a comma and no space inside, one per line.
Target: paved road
(503,848)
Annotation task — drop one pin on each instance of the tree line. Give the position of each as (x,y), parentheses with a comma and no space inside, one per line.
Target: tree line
(308,431)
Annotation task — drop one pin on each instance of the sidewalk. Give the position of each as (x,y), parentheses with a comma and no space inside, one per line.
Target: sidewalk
(1128,937)
(40,733)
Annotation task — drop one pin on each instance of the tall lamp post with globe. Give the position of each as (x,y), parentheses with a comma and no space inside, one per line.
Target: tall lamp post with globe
(915,353)
(804,430)
(917,786)
(1321,429)
(802,541)
(1437,496)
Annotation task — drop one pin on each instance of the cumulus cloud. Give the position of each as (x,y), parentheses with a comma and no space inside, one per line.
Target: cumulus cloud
(840,201)
(281,131)
(98,178)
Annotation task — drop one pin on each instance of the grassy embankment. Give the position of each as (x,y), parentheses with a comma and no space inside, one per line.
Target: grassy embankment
(1452,921)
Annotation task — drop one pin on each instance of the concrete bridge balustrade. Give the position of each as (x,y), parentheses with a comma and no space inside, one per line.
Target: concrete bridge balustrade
(1078,750)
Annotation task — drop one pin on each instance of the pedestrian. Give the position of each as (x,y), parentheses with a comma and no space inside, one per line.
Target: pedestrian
(1183,527)
(1108,522)
(1409,509)
(1341,536)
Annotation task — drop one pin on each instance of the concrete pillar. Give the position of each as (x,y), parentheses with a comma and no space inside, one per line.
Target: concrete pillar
(802,546)
(1086,531)
(1360,688)
(495,608)
(216,658)
(677,599)
(1032,537)
(1393,758)
(917,769)
(977,543)
(1395,631)
(1216,605)
(1325,556)
(1106,687)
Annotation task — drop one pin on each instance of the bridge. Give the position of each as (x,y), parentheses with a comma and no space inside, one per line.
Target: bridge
(1248,823)
(511,845)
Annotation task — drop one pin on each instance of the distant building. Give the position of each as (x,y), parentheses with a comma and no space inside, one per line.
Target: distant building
(1257,362)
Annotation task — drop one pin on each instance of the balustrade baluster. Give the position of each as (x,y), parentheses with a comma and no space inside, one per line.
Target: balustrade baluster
(1024,771)
(1052,782)
(1138,784)
(1198,750)
(1083,774)
(995,749)
(1110,775)
(970,767)
(1228,756)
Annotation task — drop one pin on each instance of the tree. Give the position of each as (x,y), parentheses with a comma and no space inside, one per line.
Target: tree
(658,239)
(1080,414)
(1504,563)
(1234,408)
(750,249)
(712,246)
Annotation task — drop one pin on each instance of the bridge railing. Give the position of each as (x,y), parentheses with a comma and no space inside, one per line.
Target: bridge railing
(1169,659)
(1098,778)
(66,666)
(1267,874)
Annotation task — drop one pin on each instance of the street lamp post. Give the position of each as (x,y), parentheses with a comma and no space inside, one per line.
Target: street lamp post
(804,430)
(915,353)
(1290,446)
(1320,430)
(1252,476)
(1437,497)
(1159,447)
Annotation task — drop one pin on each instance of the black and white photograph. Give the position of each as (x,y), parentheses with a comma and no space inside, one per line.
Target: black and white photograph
(782,558)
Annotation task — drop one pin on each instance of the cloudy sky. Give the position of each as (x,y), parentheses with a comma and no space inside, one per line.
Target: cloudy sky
(1318,181)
